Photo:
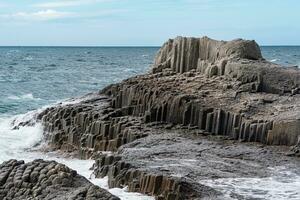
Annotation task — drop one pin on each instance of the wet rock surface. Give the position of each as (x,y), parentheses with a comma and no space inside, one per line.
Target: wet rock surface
(188,158)
(208,109)
(46,180)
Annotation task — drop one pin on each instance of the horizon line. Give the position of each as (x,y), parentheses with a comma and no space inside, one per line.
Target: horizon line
(124,46)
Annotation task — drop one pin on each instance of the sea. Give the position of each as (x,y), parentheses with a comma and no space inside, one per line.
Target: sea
(33,78)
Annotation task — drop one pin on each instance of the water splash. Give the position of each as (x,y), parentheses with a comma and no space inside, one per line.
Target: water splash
(284,183)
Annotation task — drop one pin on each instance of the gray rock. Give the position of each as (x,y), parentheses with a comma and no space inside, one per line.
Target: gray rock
(197,86)
(18,183)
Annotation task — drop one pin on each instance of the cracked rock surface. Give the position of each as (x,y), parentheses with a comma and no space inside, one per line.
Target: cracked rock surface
(208,109)
(39,179)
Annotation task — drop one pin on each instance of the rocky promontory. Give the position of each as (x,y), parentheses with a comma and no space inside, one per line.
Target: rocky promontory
(207,109)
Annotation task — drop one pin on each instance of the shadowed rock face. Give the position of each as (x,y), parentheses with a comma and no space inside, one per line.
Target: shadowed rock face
(198,86)
(46,180)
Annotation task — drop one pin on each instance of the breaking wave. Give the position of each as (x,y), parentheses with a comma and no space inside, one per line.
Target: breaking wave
(284,183)
(22,143)
(28,96)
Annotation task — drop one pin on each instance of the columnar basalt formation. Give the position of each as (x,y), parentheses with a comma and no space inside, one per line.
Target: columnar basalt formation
(197,85)
(46,180)
(216,105)
(90,126)
(184,54)
(122,174)
(237,59)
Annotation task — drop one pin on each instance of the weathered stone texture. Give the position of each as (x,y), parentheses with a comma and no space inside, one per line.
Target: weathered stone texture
(184,54)
(215,87)
(46,180)
(122,174)
(238,59)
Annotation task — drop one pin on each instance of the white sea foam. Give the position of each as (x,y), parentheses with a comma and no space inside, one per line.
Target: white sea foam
(274,60)
(12,52)
(28,96)
(16,144)
(19,143)
(76,100)
(284,184)
(28,58)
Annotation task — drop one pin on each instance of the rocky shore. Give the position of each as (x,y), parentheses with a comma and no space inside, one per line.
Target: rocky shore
(46,180)
(207,109)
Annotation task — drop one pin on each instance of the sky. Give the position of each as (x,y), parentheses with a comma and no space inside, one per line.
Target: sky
(146,22)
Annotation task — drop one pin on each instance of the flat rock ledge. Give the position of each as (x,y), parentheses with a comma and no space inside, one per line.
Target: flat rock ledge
(208,109)
(47,180)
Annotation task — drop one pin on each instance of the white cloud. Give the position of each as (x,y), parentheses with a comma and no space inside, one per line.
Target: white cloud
(67,3)
(42,15)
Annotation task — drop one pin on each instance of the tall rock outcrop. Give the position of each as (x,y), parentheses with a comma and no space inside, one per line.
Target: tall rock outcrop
(184,54)
(239,59)
(197,86)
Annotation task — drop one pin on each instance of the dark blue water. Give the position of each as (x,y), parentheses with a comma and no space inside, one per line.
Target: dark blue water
(31,77)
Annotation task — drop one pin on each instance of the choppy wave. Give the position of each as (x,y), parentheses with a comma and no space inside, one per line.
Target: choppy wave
(283,55)
(14,143)
(23,143)
(28,58)
(284,184)
(57,73)
(28,96)
(274,60)
(12,52)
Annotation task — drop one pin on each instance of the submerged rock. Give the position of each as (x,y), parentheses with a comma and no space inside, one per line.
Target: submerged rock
(198,86)
(41,179)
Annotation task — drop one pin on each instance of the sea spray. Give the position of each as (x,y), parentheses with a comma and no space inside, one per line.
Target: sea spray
(284,183)
(15,142)
(23,143)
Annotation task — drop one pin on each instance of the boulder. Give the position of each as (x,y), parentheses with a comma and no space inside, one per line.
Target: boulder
(45,180)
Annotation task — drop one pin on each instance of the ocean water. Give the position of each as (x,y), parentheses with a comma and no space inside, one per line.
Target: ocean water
(32,78)
(283,55)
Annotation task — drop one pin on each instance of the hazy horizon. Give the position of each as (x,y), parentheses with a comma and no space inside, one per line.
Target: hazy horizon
(146,22)
(116,46)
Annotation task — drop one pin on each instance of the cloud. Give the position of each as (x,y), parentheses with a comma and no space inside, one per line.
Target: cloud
(67,3)
(50,14)
(43,15)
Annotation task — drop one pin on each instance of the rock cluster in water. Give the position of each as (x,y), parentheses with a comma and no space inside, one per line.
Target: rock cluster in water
(185,120)
(46,180)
